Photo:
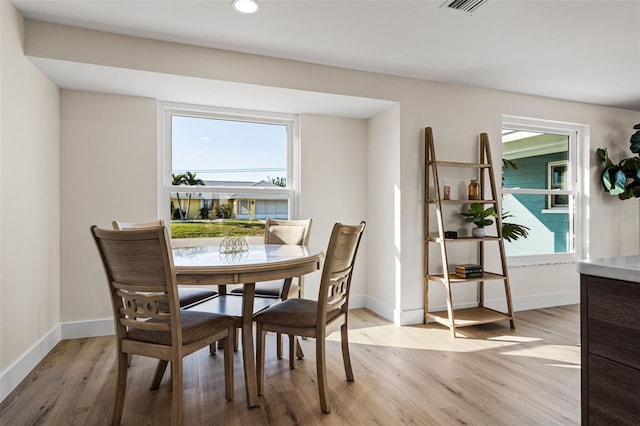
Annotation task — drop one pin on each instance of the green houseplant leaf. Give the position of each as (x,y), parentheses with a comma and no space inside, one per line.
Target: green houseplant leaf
(480,216)
(613,179)
(631,167)
(604,156)
(635,140)
(513,231)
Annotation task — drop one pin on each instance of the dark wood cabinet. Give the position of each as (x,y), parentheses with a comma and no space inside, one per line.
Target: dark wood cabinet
(610,337)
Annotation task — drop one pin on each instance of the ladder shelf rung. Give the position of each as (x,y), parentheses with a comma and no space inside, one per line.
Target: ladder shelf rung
(459,164)
(433,201)
(437,239)
(469,316)
(454,279)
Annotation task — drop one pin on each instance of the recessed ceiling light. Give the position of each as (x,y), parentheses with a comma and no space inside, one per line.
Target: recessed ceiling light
(245,6)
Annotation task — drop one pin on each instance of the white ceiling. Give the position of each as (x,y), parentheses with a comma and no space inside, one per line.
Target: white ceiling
(584,51)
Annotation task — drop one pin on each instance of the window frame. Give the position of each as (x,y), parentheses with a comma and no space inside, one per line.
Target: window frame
(577,133)
(551,203)
(168,109)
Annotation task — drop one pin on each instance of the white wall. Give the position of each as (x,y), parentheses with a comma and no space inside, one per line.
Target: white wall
(384,219)
(108,171)
(457,114)
(333,187)
(29,207)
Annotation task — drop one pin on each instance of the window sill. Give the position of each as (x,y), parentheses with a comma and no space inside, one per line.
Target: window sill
(556,211)
(541,260)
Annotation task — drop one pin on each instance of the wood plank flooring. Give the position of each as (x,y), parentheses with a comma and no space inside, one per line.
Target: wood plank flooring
(415,375)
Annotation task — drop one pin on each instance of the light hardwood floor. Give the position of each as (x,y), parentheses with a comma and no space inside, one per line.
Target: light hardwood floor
(403,375)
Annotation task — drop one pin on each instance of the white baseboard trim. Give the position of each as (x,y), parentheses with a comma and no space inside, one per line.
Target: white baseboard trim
(92,328)
(356,302)
(546,301)
(380,308)
(16,372)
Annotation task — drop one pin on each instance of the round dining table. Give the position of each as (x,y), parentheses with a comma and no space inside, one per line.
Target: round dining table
(213,265)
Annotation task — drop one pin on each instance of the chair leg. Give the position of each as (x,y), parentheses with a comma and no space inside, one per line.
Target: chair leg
(279,345)
(321,366)
(121,385)
(212,348)
(235,340)
(299,352)
(176,392)
(157,378)
(260,343)
(129,359)
(293,344)
(345,352)
(228,366)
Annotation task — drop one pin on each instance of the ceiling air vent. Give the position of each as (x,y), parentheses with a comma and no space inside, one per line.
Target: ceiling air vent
(468,6)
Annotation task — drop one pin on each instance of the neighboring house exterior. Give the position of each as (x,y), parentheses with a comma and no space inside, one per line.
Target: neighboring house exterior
(542,164)
(247,206)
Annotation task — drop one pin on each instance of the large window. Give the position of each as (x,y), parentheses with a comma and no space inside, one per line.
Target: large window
(541,184)
(223,173)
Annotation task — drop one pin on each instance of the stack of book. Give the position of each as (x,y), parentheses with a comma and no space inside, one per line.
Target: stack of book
(469,270)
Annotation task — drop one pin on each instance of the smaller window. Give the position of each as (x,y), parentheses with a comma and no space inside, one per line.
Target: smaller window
(557,180)
(541,189)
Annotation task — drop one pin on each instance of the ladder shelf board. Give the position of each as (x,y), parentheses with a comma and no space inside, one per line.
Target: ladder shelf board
(469,316)
(437,239)
(433,201)
(453,278)
(459,164)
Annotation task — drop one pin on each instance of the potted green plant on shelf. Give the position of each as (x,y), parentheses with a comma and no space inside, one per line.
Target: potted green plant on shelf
(623,179)
(479,216)
(482,217)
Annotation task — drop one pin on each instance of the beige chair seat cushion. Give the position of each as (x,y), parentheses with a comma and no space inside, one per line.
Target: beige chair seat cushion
(270,289)
(294,313)
(195,326)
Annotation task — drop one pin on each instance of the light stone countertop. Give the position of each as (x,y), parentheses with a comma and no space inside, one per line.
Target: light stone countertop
(625,268)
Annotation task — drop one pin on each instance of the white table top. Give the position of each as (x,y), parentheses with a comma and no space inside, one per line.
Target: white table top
(258,254)
(625,268)
(206,265)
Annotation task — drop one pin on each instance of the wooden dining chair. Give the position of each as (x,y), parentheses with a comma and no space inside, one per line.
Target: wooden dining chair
(186,295)
(277,231)
(317,319)
(141,276)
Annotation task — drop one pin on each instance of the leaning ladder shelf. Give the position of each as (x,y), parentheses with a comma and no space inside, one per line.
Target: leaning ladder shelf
(480,314)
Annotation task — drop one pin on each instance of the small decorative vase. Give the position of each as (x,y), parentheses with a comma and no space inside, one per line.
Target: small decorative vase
(478,232)
(474,190)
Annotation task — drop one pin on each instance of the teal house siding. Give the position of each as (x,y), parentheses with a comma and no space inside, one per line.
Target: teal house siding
(532,174)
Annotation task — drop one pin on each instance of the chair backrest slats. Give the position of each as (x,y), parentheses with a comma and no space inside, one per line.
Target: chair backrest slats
(151,288)
(341,253)
(144,305)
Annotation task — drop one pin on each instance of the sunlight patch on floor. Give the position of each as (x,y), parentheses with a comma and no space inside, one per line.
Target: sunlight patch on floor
(564,366)
(518,339)
(558,353)
(419,338)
